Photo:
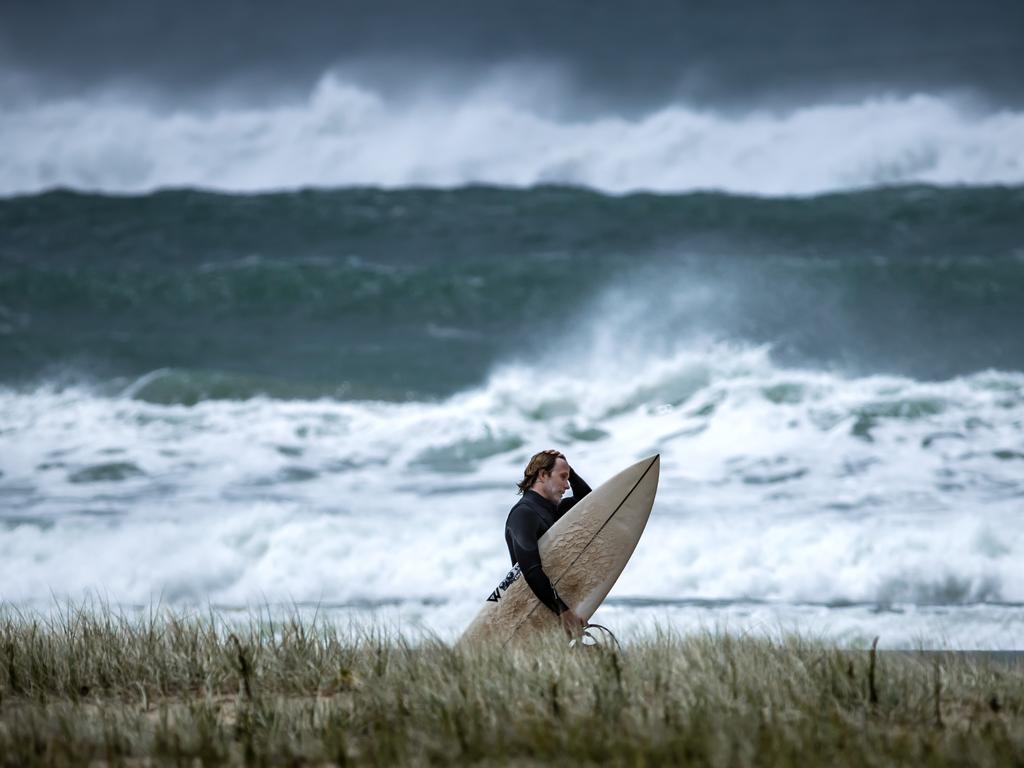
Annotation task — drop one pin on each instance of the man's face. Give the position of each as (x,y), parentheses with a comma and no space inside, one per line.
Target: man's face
(557,483)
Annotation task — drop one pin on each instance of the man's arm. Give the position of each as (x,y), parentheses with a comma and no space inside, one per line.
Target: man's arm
(579,490)
(522,524)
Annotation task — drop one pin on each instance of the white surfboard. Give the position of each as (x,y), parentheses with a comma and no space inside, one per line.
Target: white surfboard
(583,554)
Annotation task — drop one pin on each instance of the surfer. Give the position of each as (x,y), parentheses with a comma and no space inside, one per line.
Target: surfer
(545,480)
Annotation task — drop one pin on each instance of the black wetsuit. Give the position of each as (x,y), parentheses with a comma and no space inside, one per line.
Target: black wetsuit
(530,519)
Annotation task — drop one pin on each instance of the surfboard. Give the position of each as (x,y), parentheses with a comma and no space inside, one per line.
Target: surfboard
(583,554)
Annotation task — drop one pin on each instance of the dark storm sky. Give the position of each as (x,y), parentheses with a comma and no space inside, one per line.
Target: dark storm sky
(619,55)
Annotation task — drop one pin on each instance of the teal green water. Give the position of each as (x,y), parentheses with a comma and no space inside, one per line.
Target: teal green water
(363,293)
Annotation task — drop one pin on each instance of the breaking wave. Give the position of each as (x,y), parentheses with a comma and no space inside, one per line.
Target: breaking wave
(343,134)
(777,484)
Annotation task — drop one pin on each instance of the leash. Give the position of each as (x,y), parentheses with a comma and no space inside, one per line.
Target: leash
(594,642)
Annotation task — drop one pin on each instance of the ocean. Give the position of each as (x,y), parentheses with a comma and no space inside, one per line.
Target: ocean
(322,398)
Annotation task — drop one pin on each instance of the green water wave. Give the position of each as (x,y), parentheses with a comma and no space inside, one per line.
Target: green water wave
(420,292)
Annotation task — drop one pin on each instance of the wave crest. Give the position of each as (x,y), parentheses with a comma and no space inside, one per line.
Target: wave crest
(343,134)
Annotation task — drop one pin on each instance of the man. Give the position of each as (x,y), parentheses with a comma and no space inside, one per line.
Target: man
(545,480)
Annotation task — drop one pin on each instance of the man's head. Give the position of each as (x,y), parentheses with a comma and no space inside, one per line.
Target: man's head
(547,474)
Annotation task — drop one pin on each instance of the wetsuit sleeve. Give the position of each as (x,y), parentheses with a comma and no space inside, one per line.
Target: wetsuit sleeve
(522,525)
(579,490)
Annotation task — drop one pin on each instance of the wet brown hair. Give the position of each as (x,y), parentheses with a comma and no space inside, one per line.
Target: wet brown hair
(539,462)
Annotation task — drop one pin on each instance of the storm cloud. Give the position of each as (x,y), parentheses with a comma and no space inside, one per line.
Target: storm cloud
(626,58)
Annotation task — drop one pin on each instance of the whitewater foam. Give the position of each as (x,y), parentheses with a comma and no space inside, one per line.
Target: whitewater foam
(777,484)
(344,134)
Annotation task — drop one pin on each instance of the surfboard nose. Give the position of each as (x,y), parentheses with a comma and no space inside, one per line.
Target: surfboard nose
(641,476)
(644,467)
(649,480)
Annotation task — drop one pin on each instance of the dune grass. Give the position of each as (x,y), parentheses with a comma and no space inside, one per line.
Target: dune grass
(88,685)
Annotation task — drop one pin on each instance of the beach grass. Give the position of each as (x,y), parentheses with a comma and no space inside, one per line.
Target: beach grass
(91,685)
